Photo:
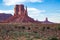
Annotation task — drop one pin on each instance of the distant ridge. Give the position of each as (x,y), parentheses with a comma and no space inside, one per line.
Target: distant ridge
(4,16)
(46,21)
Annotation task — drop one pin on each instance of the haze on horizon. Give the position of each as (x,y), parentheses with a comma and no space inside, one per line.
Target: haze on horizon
(37,9)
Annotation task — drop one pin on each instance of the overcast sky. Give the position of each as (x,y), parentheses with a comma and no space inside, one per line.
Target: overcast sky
(37,9)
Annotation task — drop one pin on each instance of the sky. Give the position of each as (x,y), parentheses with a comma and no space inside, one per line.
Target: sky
(37,9)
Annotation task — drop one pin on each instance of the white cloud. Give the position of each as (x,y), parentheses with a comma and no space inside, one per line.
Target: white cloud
(6,11)
(36,13)
(35,0)
(35,10)
(54,19)
(13,2)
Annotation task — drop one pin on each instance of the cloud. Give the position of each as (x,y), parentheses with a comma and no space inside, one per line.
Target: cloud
(36,13)
(54,17)
(6,11)
(13,2)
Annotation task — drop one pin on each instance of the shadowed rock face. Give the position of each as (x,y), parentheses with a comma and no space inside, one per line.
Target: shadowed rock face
(4,16)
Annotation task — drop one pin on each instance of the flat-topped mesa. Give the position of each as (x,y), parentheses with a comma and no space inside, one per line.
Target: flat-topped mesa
(20,11)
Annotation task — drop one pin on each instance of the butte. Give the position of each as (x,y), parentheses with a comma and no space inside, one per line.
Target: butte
(20,16)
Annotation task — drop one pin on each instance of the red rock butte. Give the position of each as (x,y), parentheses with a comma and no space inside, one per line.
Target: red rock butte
(20,15)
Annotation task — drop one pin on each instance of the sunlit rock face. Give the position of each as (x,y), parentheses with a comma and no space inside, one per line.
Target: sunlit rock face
(20,15)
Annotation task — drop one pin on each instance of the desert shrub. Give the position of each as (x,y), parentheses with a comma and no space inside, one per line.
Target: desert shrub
(43,28)
(48,27)
(37,36)
(53,38)
(3,32)
(23,27)
(29,39)
(58,28)
(1,38)
(29,28)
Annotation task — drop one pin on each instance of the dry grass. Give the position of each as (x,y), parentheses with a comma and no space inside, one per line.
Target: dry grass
(13,31)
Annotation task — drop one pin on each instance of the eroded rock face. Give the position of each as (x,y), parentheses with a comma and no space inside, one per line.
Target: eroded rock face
(20,15)
(19,10)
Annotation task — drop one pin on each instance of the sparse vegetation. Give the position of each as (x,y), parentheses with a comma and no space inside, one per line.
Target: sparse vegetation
(54,38)
(58,27)
(27,32)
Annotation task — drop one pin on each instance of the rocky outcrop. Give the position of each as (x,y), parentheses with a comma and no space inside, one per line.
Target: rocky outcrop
(46,21)
(20,15)
(4,16)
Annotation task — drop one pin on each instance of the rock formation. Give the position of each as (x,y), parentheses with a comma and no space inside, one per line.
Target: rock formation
(20,15)
(46,21)
(4,16)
